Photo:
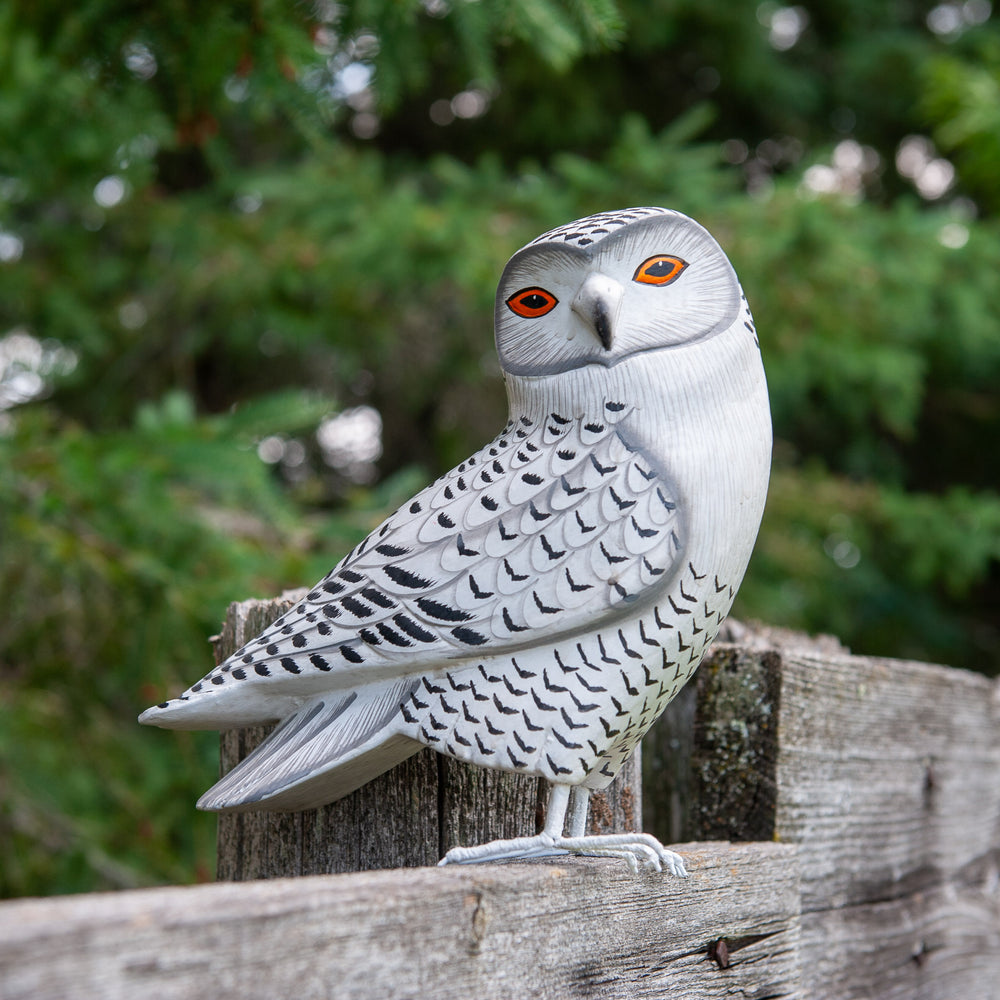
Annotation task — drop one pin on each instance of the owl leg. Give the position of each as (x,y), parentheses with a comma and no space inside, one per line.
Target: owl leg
(633,848)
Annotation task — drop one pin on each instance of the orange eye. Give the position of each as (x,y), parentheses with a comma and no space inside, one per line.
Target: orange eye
(532,302)
(659,270)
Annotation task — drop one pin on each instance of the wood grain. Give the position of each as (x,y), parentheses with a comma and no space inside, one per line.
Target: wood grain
(408,817)
(884,773)
(580,928)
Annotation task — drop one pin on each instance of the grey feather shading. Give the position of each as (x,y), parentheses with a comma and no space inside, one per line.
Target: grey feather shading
(332,745)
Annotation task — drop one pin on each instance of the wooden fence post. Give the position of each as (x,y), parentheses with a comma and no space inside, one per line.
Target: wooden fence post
(408,817)
(883,773)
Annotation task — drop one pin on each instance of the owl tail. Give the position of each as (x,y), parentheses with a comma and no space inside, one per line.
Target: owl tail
(330,746)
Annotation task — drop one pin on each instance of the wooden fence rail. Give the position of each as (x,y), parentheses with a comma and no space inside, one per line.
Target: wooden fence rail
(870,790)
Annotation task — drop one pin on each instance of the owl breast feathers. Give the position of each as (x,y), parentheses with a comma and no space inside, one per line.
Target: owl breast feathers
(537,607)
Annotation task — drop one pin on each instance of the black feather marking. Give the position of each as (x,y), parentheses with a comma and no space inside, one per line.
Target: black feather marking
(350,576)
(541,704)
(614,407)
(513,690)
(593,689)
(391,551)
(686,596)
(476,592)
(377,597)
(565,667)
(407,715)
(556,769)
(261,668)
(323,628)
(482,749)
(459,738)
(469,636)
(581,706)
(299,640)
(416,701)
(509,622)
(570,490)
(488,502)
(272,649)
(656,571)
(290,665)
(514,760)
(432,688)
(559,419)
(240,674)
(427,736)
(669,504)
(594,428)
(604,654)
(412,629)
(319,662)
(608,731)
(443,612)
(622,504)
(644,532)
(351,654)
(516,577)
(523,674)
(569,722)
(370,637)
(469,717)
(391,635)
(505,535)
(565,742)
(577,587)
(331,611)
(435,724)
(502,708)
(532,728)
(585,528)
(444,520)
(463,549)
(552,687)
(544,608)
(492,730)
(645,638)
(487,677)
(357,608)
(531,478)
(524,746)
(448,708)
(610,558)
(673,604)
(549,551)
(625,646)
(602,469)
(219,679)
(538,515)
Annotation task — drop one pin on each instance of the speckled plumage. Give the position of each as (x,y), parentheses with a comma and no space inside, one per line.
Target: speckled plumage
(537,607)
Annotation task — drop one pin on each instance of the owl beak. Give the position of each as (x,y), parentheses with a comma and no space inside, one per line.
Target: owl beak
(597,303)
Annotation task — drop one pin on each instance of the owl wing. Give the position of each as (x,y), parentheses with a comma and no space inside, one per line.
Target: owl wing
(550,529)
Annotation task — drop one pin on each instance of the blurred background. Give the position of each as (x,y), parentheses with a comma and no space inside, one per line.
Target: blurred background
(248,253)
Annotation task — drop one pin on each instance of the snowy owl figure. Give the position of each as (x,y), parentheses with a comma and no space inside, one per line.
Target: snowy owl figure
(537,607)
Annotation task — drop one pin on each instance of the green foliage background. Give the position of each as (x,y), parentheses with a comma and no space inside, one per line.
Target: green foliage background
(273,244)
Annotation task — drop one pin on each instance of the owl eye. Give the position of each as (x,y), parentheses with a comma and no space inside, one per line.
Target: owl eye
(659,270)
(532,302)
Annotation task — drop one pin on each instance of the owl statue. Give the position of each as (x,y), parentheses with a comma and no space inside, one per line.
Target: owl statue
(537,607)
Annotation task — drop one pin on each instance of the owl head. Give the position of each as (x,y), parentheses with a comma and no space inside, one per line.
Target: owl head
(604,288)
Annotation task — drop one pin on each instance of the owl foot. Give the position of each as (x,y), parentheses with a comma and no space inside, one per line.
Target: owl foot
(634,849)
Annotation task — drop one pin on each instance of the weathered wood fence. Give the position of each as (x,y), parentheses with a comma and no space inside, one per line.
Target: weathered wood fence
(846,819)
